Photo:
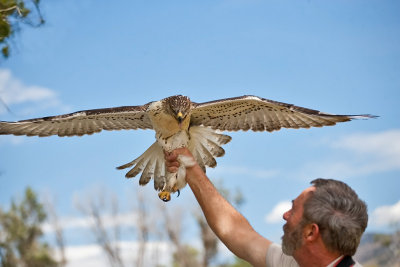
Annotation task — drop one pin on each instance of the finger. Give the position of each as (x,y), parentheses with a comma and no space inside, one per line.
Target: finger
(172,156)
(172,169)
(172,164)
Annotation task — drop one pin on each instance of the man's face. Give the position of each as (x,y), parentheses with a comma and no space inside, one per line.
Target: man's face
(292,238)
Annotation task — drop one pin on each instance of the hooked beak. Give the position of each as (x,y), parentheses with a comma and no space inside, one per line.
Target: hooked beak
(179,116)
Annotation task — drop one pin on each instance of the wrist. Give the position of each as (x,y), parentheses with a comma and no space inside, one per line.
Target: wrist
(193,173)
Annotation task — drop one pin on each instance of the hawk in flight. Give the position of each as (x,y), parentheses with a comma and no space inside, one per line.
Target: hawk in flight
(179,122)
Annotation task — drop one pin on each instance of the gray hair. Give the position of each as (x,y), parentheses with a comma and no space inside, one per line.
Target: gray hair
(340,215)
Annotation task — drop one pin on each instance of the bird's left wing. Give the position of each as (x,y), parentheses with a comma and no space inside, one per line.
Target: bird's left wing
(259,114)
(81,122)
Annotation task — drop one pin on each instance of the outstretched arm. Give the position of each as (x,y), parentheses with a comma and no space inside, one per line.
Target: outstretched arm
(227,223)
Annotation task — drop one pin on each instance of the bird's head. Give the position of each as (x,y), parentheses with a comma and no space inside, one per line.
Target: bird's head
(179,107)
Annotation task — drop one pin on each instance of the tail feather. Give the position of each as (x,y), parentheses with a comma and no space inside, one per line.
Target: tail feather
(207,156)
(220,139)
(127,165)
(199,159)
(138,168)
(215,149)
(205,144)
(147,173)
(159,175)
(147,164)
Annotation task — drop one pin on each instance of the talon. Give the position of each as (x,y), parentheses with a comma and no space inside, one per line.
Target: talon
(179,193)
(164,196)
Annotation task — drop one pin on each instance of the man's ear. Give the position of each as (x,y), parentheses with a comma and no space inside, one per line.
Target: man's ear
(311,232)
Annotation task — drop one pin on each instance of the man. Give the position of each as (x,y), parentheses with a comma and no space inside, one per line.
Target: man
(323,227)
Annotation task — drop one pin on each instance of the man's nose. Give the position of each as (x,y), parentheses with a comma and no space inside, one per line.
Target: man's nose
(286,215)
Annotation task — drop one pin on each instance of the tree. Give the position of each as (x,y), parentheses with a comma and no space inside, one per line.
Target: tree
(59,234)
(94,207)
(20,230)
(184,255)
(237,263)
(391,251)
(13,14)
(153,220)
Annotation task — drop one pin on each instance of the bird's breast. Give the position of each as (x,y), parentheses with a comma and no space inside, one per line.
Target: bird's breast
(169,133)
(178,140)
(163,123)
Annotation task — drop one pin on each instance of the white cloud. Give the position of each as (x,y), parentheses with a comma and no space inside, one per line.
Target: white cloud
(383,146)
(156,253)
(275,216)
(386,215)
(360,155)
(10,139)
(122,219)
(13,91)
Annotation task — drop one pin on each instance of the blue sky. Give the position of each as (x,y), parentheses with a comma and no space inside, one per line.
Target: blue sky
(339,57)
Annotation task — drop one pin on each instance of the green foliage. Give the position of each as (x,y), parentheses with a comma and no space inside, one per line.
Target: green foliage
(384,239)
(14,13)
(187,256)
(391,246)
(240,263)
(237,263)
(20,230)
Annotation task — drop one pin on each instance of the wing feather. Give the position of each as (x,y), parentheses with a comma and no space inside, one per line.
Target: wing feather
(298,120)
(81,122)
(302,121)
(292,122)
(260,114)
(258,125)
(283,120)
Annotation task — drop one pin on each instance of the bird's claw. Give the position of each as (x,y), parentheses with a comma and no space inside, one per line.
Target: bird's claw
(164,196)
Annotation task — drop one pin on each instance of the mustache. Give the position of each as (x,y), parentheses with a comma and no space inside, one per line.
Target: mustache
(285,228)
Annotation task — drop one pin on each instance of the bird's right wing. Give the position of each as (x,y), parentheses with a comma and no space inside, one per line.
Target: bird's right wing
(81,122)
(260,114)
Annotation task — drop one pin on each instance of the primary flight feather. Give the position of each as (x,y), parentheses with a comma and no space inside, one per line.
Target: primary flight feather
(179,122)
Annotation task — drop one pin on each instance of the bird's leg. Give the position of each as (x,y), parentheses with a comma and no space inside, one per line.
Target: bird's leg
(173,183)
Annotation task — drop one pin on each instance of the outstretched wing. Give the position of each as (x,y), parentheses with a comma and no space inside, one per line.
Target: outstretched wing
(259,114)
(81,122)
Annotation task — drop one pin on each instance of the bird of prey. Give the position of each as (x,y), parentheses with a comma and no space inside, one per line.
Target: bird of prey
(179,122)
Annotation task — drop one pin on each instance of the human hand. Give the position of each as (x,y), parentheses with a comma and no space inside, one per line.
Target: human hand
(172,159)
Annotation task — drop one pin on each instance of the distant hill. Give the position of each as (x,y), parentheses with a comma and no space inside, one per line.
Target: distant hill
(381,250)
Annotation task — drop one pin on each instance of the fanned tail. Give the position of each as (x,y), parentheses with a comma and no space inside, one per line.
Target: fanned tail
(151,164)
(205,144)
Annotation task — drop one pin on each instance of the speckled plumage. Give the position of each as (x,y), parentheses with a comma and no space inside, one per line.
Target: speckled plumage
(178,122)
